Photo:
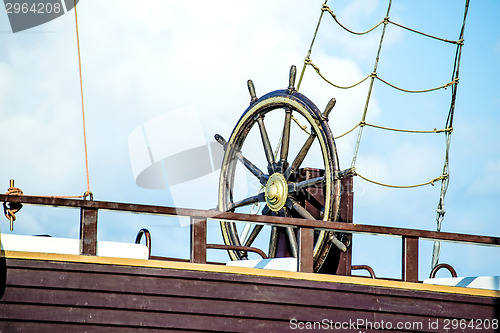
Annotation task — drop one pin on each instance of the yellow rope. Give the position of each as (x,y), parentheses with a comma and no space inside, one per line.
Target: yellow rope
(449,123)
(370,87)
(386,20)
(83,107)
(431,182)
(87,192)
(303,127)
(326,8)
(450,129)
(444,86)
(458,42)
(362,123)
(310,47)
(349,131)
(308,61)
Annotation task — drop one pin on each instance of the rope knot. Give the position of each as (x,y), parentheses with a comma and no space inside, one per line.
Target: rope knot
(454,81)
(386,20)
(11,208)
(308,61)
(88,194)
(14,191)
(325,8)
(442,177)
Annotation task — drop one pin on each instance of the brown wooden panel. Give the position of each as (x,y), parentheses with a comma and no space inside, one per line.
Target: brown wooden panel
(58,271)
(148,319)
(53,327)
(145,319)
(131,297)
(362,299)
(176,304)
(235,308)
(251,279)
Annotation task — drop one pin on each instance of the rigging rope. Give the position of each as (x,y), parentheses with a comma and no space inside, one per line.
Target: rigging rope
(310,47)
(326,8)
(447,130)
(449,122)
(349,131)
(431,182)
(308,61)
(363,119)
(458,42)
(15,191)
(303,127)
(444,86)
(440,210)
(83,106)
(386,20)
(450,129)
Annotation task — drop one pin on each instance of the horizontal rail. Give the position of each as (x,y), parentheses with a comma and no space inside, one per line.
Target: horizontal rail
(238,217)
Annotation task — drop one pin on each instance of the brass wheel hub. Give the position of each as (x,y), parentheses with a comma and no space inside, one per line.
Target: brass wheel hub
(276,192)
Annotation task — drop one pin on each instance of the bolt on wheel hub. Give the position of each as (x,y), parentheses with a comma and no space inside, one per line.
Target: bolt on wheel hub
(276,192)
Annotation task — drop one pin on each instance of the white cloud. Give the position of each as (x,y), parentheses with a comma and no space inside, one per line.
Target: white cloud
(488,181)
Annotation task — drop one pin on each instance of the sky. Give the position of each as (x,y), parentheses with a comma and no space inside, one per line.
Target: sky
(146,63)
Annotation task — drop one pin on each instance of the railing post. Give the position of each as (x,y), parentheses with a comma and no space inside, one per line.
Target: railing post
(88,231)
(305,238)
(198,240)
(346,215)
(410,259)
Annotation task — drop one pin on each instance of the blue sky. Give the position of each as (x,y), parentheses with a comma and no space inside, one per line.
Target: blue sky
(141,61)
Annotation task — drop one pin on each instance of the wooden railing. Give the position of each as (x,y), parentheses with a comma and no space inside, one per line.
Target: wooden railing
(305,229)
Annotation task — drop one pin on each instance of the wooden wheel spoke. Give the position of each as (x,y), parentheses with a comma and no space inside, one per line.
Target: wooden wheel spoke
(248,201)
(252,168)
(285,140)
(294,205)
(255,232)
(265,140)
(292,241)
(300,156)
(249,165)
(297,187)
(305,214)
(273,242)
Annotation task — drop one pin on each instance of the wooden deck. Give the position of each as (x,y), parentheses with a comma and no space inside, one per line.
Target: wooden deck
(73,293)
